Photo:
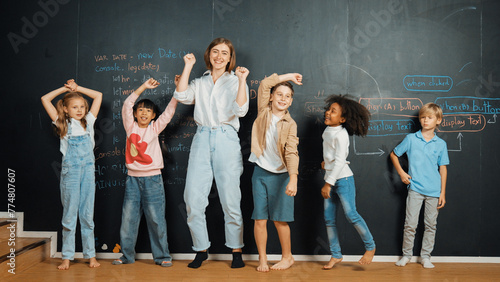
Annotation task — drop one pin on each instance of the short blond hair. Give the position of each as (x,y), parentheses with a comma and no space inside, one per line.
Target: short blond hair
(432,108)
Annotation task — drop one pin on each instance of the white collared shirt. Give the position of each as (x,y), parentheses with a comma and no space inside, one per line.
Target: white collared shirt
(215,104)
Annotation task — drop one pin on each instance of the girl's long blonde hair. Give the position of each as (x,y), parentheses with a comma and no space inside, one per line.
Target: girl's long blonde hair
(63,119)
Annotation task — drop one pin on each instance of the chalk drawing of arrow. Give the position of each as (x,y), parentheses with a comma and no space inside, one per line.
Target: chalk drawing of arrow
(379,153)
(459,137)
(494,119)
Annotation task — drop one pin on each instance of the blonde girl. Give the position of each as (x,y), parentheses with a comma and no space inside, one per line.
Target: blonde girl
(74,124)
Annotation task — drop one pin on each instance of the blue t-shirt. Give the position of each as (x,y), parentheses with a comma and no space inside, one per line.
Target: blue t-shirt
(424,159)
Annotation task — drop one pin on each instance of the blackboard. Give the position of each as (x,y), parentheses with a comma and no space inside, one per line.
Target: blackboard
(393,56)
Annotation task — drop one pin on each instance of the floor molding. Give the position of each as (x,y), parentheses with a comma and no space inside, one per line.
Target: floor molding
(255,257)
(249,257)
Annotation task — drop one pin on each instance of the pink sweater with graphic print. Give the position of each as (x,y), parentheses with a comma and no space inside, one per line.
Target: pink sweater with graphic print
(143,155)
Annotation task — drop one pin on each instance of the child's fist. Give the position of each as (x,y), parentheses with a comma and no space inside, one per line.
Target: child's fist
(297,78)
(151,83)
(71,85)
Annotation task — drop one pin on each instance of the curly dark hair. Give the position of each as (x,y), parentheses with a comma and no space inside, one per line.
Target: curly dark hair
(356,116)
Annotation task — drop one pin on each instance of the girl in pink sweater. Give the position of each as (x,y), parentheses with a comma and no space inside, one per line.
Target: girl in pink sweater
(144,190)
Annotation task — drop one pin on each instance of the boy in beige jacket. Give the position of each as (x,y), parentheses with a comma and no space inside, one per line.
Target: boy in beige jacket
(274,151)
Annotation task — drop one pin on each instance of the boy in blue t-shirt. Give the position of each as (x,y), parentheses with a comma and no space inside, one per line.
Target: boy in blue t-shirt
(426,179)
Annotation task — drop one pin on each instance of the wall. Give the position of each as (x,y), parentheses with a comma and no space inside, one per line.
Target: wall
(394,56)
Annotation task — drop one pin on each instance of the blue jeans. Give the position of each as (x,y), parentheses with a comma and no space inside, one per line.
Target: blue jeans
(77,195)
(144,194)
(215,153)
(345,192)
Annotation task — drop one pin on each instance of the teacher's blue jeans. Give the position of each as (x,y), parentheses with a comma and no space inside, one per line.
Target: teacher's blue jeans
(215,153)
(344,192)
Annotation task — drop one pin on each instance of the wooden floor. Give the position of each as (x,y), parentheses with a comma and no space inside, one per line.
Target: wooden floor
(146,270)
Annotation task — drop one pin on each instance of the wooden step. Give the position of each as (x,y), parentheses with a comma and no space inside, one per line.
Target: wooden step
(4,231)
(18,254)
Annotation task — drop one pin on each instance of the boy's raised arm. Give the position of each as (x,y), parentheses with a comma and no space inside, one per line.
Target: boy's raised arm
(293,77)
(267,83)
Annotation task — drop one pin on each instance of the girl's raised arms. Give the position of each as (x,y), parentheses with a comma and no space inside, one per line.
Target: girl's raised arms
(47,101)
(71,86)
(95,95)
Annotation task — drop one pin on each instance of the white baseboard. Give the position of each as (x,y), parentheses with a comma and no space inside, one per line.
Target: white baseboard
(253,257)
(324,258)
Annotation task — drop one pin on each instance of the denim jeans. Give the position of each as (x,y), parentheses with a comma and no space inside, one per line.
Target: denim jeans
(215,153)
(413,205)
(345,192)
(77,195)
(144,194)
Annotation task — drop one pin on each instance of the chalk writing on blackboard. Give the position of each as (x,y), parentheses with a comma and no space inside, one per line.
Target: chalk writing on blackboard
(469,105)
(392,106)
(459,137)
(390,127)
(379,152)
(428,83)
(462,123)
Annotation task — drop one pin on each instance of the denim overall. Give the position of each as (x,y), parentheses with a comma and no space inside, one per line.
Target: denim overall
(78,193)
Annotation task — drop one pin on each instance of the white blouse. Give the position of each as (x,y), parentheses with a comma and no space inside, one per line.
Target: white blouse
(215,104)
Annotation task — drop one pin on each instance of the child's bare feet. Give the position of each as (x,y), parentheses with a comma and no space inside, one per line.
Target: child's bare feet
(93,263)
(331,263)
(367,257)
(263,266)
(64,265)
(285,263)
